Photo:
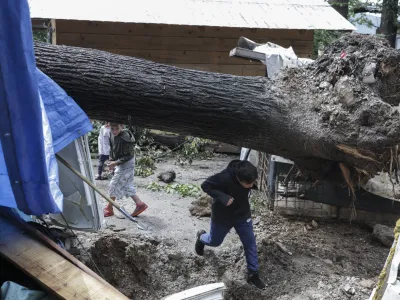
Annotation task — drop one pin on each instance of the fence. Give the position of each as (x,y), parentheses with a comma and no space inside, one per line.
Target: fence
(284,192)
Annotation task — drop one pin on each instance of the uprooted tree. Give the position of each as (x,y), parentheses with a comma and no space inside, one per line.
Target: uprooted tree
(342,111)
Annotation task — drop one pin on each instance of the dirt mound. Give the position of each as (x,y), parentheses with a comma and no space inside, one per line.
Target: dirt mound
(328,261)
(354,91)
(201,207)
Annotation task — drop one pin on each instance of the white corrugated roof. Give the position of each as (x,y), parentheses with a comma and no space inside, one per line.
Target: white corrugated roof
(274,14)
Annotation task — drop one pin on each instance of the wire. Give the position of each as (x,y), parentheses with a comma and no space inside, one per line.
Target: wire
(80,243)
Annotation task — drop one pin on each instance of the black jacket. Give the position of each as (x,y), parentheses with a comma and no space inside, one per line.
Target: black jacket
(122,147)
(222,187)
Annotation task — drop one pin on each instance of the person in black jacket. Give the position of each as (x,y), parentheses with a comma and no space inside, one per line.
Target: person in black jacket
(230,190)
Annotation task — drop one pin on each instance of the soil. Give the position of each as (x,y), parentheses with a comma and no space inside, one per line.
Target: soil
(349,96)
(334,260)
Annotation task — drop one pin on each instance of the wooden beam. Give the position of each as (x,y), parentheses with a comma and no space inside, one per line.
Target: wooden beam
(51,269)
(54,32)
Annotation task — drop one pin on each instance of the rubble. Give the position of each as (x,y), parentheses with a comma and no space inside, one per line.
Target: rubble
(201,207)
(384,235)
(167,177)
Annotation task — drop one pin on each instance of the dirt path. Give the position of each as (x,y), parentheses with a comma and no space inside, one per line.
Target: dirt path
(334,261)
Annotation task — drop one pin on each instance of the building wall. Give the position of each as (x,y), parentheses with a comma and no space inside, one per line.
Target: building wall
(195,47)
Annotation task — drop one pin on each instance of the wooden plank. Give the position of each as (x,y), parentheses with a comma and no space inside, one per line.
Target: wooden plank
(52,270)
(162,43)
(254,70)
(54,33)
(145,42)
(52,245)
(247,54)
(116,28)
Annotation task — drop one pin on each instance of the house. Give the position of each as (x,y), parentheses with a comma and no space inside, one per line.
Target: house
(196,34)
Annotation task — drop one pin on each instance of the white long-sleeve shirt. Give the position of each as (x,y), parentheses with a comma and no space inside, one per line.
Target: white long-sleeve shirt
(104,141)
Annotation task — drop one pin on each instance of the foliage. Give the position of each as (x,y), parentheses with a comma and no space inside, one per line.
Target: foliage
(144,166)
(193,148)
(257,201)
(184,190)
(322,38)
(93,136)
(40,36)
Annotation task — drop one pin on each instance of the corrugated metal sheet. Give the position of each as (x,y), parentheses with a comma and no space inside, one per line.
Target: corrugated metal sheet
(273,14)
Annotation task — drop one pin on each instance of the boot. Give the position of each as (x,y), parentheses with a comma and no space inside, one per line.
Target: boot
(255,280)
(199,246)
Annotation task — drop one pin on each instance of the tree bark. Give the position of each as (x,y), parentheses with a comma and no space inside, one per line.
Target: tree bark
(318,116)
(389,21)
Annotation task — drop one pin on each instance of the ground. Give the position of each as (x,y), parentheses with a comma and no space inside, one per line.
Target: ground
(336,260)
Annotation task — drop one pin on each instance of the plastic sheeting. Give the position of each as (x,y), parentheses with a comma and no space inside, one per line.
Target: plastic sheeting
(13,291)
(277,57)
(30,121)
(67,120)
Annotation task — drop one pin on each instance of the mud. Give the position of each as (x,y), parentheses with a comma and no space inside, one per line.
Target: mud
(324,263)
(328,262)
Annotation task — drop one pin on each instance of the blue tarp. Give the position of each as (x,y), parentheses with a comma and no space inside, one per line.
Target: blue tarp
(37,118)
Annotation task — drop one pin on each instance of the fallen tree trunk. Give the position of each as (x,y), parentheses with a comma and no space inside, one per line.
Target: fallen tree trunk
(338,109)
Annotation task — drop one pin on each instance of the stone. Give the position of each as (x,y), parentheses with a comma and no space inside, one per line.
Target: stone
(201,207)
(167,177)
(321,285)
(314,224)
(349,290)
(118,229)
(368,73)
(256,220)
(324,85)
(367,283)
(328,262)
(383,234)
(345,91)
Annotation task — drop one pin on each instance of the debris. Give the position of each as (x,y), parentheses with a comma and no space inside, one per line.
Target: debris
(368,73)
(283,248)
(328,262)
(256,220)
(202,206)
(345,91)
(308,227)
(349,290)
(384,234)
(367,283)
(325,85)
(314,224)
(118,229)
(167,177)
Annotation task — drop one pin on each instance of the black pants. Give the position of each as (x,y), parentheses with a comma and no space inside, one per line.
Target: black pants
(102,160)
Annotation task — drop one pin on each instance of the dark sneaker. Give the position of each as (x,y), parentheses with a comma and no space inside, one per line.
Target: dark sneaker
(255,280)
(199,246)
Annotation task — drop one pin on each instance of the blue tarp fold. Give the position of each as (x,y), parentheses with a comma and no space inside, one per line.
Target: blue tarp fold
(37,119)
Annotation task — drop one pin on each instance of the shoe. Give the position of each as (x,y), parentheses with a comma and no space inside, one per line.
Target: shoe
(255,280)
(108,211)
(139,209)
(98,177)
(199,246)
